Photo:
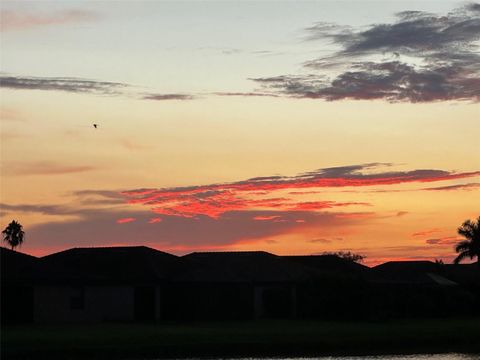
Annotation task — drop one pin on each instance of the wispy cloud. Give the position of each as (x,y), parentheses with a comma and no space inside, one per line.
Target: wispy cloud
(465,187)
(126,220)
(43,168)
(163,97)
(85,86)
(426,232)
(22,20)
(75,85)
(246,94)
(320,241)
(97,197)
(421,57)
(446,240)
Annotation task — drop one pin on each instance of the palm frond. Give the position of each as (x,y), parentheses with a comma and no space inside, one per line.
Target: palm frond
(463,245)
(466,231)
(463,255)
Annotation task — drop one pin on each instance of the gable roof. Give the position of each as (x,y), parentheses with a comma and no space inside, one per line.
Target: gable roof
(16,265)
(411,272)
(407,266)
(117,264)
(257,266)
(331,264)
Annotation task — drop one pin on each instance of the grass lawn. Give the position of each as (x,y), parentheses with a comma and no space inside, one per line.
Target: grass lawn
(252,338)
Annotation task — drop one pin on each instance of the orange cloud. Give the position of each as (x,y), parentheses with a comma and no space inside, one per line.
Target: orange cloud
(216,199)
(263,218)
(125,220)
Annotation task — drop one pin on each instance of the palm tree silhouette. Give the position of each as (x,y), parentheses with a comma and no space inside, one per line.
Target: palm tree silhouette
(470,247)
(13,234)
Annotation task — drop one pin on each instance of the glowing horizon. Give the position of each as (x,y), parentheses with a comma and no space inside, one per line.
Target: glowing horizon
(329,132)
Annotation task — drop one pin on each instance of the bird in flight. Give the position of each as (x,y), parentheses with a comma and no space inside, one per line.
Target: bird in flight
(95,126)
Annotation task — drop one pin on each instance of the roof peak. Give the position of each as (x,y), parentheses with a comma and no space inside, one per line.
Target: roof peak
(230,253)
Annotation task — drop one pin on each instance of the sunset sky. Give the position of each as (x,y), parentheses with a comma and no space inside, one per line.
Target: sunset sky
(290,127)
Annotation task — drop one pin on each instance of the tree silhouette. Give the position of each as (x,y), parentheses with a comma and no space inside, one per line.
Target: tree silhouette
(349,256)
(13,234)
(470,247)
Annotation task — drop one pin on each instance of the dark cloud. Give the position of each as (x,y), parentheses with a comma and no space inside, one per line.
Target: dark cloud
(7,209)
(270,241)
(78,85)
(421,57)
(246,94)
(446,240)
(75,85)
(162,97)
(466,187)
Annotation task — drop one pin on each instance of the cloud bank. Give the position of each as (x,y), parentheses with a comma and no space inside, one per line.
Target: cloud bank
(421,57)
(75,85)
(216,216)
(85,86)
(263,193)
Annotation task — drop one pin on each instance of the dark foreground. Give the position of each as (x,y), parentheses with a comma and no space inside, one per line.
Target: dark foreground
(240,339)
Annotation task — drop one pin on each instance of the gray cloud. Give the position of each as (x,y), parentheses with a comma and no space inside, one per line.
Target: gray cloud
(446,240)
(467,187)
(162,97)
(39,209)
(246,94)
(86,86)
(98,197)
(75,85)
(377,63)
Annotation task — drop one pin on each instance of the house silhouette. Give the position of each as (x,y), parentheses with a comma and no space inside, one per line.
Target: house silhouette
(141,284)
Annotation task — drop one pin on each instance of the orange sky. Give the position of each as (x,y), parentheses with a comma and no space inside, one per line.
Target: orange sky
(299,139)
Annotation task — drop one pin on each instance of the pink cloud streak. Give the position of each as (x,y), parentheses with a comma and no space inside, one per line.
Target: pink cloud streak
(16,20)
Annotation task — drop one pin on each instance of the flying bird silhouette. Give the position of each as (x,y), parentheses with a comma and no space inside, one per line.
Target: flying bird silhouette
(95,126)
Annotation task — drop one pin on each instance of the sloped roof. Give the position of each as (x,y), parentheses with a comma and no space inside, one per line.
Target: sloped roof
(117,264)
(258,266)
(410,272)
(16,265)
(465,274)
(331,264)
(407,266)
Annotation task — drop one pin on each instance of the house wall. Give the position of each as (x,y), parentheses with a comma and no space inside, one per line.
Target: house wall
(16,303)
(64,303)
(275,301)
(207,301)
